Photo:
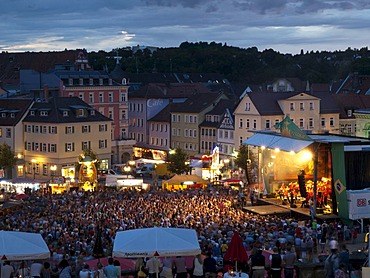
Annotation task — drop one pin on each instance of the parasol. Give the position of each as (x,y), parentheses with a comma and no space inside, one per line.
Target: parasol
(235,251)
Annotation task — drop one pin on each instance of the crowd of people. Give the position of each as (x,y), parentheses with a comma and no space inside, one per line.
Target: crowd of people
(69,223)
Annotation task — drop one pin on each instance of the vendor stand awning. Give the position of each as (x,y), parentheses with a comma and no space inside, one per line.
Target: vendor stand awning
(273,141)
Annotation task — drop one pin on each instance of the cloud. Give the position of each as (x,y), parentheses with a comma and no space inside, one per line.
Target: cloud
(284,25)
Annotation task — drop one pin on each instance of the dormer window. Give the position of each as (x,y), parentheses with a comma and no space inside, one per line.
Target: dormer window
(92,112)
(32,113)
(124,82)
(349,113)
(12,115)
(65,113)
(43,113)
(80,112)
(3,115)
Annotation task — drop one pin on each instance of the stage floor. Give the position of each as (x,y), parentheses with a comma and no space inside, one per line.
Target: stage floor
(274,206)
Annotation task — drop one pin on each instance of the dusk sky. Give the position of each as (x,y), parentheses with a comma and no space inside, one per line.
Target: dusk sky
(286,26)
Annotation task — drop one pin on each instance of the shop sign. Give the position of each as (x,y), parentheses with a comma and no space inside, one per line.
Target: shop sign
(359,204)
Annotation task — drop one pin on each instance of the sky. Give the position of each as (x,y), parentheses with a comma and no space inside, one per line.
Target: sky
(287,26)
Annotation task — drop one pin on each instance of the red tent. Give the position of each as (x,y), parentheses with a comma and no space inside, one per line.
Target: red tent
(236,252)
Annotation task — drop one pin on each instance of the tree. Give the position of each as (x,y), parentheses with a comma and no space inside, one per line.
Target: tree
(243,161)
(177,162)
(7,159)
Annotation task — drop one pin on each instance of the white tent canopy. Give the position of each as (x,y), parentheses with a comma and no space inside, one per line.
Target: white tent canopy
(149,242)
(19,246)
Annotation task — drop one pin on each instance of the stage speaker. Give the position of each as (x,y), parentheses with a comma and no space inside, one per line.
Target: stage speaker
(302,185)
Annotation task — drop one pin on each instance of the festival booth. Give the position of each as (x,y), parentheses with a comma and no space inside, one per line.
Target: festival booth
(296,167)
(20,246)
(160,242)
(181,182)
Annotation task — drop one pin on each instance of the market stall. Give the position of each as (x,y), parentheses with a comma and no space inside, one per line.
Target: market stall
(181,182)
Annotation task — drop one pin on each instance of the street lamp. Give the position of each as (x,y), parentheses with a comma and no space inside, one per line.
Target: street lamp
(34,167)
(127,170)
(226,163)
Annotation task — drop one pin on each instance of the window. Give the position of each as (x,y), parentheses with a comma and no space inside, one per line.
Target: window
(173,131)
(123,97)
(35,129)
(301,106)
(310,122)
(323,123)
(32,112)
(190,133)
(110,97)
(36,147)
(268,124)
(291,106)
(69,147)
(12,115)
(232,135)
(44,147)
(65,113)
(349,113)
(69,129)
(45,169)
(178,118)
(186,119)
(248,106)
(331,121)
(186,133)
(43,113)
(240,123)
(102,144)
(101,97)
(52,148)
(92,112)
(247,123)
(81,96)
(110,113)
(195,119)
(103,128)
(311,106)
(190,119)
(173,118)
(85,145)
(91,97)
(178,132)
(254,124)
(240,140)
(8,133)
(301,123)
(123,114)
(226,134)
(86,129)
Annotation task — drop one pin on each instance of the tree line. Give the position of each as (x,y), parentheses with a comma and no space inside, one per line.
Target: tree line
(237,64)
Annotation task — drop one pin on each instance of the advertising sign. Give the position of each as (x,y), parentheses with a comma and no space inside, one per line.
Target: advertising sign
(358,204)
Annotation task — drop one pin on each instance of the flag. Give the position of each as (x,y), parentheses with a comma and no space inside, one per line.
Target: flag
(291,130)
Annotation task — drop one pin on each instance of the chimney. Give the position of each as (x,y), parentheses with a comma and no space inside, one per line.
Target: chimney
(46,92)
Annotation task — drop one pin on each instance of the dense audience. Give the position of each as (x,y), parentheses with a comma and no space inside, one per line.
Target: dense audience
(69,222)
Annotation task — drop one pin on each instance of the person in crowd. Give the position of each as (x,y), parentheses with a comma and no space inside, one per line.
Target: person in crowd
(166,268)
(180,265)
(257,264)
(275,264)
(142,273)
(85,272)
(289,259)
(153,266)
(7,270)
(210,266)
(341,272)
(46,270)
(65,270)
(110,270)
(36,269)
(198,271)
(99,273)
(139,263)
(117,264)
(332,261)
(23,270)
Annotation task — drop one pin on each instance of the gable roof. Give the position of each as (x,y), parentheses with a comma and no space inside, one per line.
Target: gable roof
(267,103)
(355,83)
(168,90)
(352,102)
(55,108)
(16,106)
(12,63)
(197,103)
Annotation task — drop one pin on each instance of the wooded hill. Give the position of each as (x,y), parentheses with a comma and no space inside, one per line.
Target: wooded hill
(237,64)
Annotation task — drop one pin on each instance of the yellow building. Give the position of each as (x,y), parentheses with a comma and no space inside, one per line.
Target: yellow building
(56,132)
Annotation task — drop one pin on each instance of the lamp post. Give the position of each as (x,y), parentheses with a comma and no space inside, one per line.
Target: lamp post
(127,170)
(34,161)
(226,163)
